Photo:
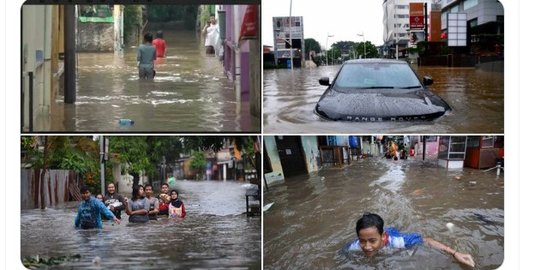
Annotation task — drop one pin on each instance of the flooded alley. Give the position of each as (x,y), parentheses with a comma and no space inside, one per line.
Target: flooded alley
(215,233)
(190,92)
(314,216)
(476,98)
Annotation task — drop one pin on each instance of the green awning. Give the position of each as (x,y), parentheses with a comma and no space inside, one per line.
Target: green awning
(97,19)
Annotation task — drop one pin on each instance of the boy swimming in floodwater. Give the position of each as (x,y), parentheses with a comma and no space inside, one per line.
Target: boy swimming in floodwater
(372,238)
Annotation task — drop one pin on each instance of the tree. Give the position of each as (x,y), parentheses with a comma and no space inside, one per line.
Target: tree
(198,162)
(169,13)
(311,45)
(79,154)
(371,50)
(132,151)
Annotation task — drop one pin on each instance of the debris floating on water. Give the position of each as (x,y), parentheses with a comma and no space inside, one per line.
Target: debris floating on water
(450,226)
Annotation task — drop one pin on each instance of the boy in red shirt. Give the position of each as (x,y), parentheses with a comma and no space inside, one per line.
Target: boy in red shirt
(160,44)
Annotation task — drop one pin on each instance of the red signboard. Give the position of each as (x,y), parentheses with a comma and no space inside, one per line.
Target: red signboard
(416,15)
(249,25)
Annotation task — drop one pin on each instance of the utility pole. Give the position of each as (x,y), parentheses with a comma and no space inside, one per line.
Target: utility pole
(426,25)
(70,91)
(102,158)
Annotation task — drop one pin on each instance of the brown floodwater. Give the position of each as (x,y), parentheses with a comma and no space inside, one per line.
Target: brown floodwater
(476,97)
(315,215)
(189,94)
(215,234)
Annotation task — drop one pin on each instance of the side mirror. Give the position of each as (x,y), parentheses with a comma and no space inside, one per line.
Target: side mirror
(427,80)
(324,81)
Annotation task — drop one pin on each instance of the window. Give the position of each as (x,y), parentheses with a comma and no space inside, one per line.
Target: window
(488,141)
(376,75)
(469,4)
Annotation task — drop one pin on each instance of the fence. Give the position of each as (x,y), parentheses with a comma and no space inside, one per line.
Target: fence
(56,186)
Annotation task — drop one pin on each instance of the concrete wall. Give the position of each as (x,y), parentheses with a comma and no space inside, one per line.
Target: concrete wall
(311,151)
(95,37)
(36,39)
(271,149)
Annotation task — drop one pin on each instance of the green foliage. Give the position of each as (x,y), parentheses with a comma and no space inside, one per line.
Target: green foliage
(169,13)
(311,45)
(132,21)
(371,50)
(168,147)
(198,161)
(133,151)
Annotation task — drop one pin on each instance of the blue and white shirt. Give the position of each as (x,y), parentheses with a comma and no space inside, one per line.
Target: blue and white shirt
(395,239)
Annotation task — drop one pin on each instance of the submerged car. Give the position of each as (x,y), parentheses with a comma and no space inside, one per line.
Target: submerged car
(371,90)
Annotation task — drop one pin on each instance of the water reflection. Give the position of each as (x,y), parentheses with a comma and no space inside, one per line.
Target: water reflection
(214,234)
(314,216)
(476,97)
(190,92)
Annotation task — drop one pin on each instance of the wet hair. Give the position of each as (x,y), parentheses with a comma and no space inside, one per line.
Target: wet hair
(84,189)
(159,34)
(135,193)
(370,220)
(148,37)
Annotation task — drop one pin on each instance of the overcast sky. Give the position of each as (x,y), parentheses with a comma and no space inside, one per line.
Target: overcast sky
(341,18)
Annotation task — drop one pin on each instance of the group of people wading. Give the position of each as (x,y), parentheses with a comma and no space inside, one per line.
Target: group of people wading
(141,208)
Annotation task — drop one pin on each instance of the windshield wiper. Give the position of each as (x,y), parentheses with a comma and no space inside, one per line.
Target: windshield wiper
(410,87)
(377,87)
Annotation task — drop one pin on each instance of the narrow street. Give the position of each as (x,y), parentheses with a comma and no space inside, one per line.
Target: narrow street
(314,216)
(190,93)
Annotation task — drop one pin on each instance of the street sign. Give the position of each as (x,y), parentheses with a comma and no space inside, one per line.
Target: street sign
(416,15)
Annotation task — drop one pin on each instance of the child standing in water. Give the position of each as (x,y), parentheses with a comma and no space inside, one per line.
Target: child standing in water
(160,44)
(146,54)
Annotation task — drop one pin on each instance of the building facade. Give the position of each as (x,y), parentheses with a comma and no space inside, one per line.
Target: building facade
(485,24)
(42,69)
(396,24)
(241,53)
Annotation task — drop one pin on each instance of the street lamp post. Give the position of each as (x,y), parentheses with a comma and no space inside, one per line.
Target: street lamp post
(327,36)
(364,38)
(397,48)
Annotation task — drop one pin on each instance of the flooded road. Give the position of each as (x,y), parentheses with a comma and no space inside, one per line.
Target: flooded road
(315,216)
(476,97)
(189,94)
(214,234)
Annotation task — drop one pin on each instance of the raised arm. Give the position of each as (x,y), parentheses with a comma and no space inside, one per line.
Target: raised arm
(460,257)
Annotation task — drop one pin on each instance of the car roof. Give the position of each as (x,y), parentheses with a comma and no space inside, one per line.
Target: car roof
(375,60)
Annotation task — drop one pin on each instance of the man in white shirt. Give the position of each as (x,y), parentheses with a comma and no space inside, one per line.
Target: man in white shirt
(211,34)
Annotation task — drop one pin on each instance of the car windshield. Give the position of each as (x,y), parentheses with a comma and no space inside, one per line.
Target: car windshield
(377,75)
